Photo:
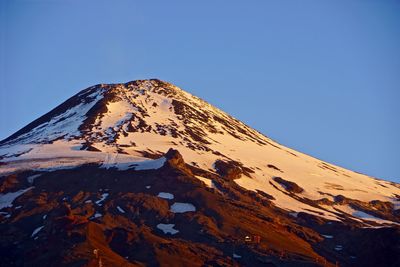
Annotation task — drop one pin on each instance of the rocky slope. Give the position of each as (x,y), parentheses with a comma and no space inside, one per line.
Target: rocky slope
(145,174)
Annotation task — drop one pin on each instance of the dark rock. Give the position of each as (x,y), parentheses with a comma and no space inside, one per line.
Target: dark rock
(230,170)
(324,201)
(289,186)
(175,160)
(274,167)
(268,196)
(383,206)
(340,199)
(8,183)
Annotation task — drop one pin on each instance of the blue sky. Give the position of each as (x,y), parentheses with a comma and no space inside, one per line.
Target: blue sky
(321,77)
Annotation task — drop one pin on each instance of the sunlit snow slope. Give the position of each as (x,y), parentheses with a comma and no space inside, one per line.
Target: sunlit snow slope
(128,125)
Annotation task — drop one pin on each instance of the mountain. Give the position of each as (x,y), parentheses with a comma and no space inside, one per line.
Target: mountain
(146,174)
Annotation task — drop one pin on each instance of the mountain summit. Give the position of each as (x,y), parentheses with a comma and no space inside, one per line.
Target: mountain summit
(144,173)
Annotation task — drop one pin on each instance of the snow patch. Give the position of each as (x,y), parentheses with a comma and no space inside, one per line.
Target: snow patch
(30,179)
(338,247)
(97,215)
(209,183)
(65,125)
(120,209)
(364,216)
(5,214)
(178,207)
(103,197)
(167,228)
(114,162)
(150,164)
(360,215)
(6,200)
(14,151)
(37,230)
(165,195)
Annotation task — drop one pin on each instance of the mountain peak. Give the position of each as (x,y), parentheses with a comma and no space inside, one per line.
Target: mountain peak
(152,85)
(118,123)
(94,173)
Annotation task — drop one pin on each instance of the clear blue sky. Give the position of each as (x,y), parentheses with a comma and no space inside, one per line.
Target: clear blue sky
(321,77)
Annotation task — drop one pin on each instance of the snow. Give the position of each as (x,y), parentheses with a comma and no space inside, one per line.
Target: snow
(10,152)
(148,186)
(328,236)
(362,216)
(112,161)
(207,181)
(179,207)
(31,178)
(36,231)
(97,215)
(5,214)
(64,125)
(103,197)
(282,200)
(165,195)
(118,114)
(7,199)
(369,217)
(61,155)
(150,164)
(236,256)
(120,209)
(338,247)
(167,228)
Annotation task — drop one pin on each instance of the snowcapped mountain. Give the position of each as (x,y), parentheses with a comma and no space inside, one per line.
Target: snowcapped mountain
(108,132)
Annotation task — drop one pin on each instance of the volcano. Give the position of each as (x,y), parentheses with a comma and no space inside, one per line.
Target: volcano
(146,174)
